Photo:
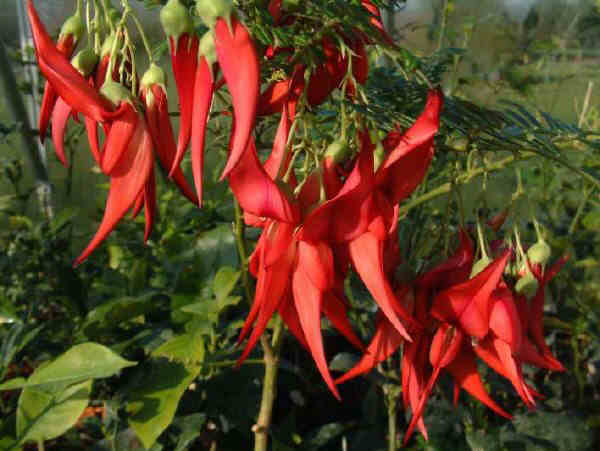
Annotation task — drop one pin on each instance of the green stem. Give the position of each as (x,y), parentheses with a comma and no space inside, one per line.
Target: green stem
(392,414)
(586,195)
(442,34)
(271,350)
(41,445)
(269,390)
(240,231)
(462,179)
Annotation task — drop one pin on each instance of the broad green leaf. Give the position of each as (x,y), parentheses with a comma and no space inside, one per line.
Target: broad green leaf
(44,415)
(163,381)
(224,282)
(81,362)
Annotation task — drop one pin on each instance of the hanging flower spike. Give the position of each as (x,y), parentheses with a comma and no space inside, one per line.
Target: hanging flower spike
(66,81)
(203,89)
(235,50)
(183,42)
(153,94)
(467,305)
(129,176)
(85,62)
(70,34)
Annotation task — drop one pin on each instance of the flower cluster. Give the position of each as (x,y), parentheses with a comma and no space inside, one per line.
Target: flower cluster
(342,215)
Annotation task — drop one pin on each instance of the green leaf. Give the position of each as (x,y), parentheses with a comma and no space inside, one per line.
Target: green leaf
(8,313)
(591,221)
(14,341)
(564,431)
(109,315)
(190,428)
(224,282)
(62,219)
(343,361)
(44,415)
(163,381)
(81,362)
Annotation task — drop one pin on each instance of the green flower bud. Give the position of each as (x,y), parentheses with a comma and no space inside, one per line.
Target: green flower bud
(210,10)
(479,266)
(206,47)
(527,285)
(539,253)
(175,19)
(85,61)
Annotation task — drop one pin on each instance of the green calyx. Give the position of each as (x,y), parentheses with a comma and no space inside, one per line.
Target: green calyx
(107,45)
(337,150)
(206,48)
(85,61)
(527,286)
(539,253)
(211,10)
(175,19)
(115,92)
(480,265)
(73,26)
(154,76)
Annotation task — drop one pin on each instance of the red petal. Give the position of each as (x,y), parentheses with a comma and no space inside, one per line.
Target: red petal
(159,125)
(467,304)
(405,166)
(91,127)
(336,312)
(464,371)
(325,221)
(203,94)
(308,300)
(149,204)
(316,260)
(504,318)
(127,181)
(234,51)
(384,343)
(366,253)
(119,137)
(279,159)
(64,78)
(184,60)
(287,311)
(65,45)
(60,116)
(257,193)
(455,269)
(273,282)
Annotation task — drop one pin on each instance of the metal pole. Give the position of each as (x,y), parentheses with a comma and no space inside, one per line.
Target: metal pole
(18,111)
